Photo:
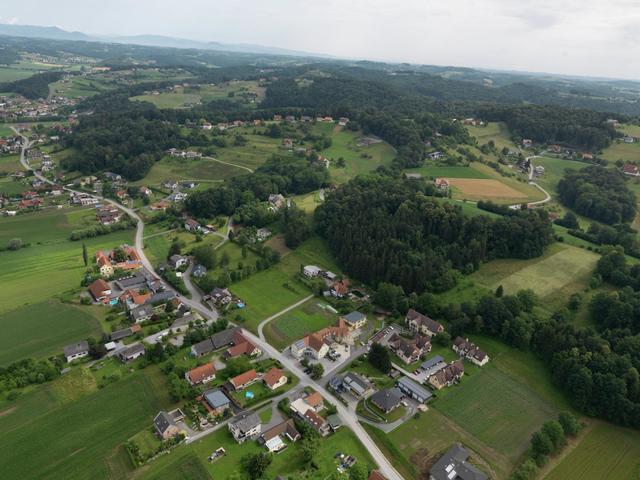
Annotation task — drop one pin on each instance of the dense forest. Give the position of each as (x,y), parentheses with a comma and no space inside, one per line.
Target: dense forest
(125,144)
(599,193)
(388,230)
(288,176)
(33,87)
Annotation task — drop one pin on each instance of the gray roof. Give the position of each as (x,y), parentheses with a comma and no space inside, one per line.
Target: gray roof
(245,421)
(76,348)
(407,384)
(453,464)
(334,421)
(128,282)
(142,311)
(216,399)
(354,317)
(159,297)
(183,321)
(224,338)
(432,362)
(356,382)
(387,399)
(132,350)
(203,347)
(120,334)
(163,421)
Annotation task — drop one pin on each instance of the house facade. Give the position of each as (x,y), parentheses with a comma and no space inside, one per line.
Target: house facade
(417,322)
(245,426)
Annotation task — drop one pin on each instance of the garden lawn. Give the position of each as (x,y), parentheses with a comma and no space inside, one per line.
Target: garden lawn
(42,329)
(607,451)
(74,440)
(39,272)
(307,318)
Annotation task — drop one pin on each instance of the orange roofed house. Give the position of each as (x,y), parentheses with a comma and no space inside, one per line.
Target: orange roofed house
(274,378)
(243,380)
(108,264)
(201,375)
(241,346)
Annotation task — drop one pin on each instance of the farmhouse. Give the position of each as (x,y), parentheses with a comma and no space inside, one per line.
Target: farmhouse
(414,390)
(76,350)
(100,290)
(453,465)
(468,350)
(387,400)
(216,402)
(354,320)
(441,184)
(243,380)
(274,379)
(417,322)
(631,169)
(132,352)
(245,426)
(447,376)
(201,375)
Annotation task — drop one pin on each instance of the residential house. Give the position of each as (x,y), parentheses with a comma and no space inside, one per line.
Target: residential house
(178,261)
(587,156)
(242,346)
(435,155)
(76,350)
(454,465)
(131,353)
(306,408)
(122,333)
(286,429)
(182,324)
(100,290)
(316,345)
(201,375)
(447,376)
(342,121)
(340,288)
(216,402)
(274,379)
(527,142)
(317,422)
(262,234)
(413,390)
(417,322)
(311,271)
(470,351)
(220,296)
(357,385)
(165,425)
(277,201)
(334,421)
(441,184)
(104,264)
(215,342)
(145,191)
(243,380)
(409,350)
(631,169)
(387,400)
(192,225)
(142,313)
(245,426)
(287,143)
(433,365)
(355,320)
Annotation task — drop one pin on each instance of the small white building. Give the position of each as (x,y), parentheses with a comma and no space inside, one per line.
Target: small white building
(311,271)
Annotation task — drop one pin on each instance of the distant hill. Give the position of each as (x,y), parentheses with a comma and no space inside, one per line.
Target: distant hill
(35,31)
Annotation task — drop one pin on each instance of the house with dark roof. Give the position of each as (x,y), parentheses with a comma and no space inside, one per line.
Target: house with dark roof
(455,465)
(120,334)
(355,320)
(131,353)
(470,351)
(245,426)
(446,377)
(413,390)
(216,402)
(165,425)
(433,365)
(409,350)
(177,261)
(417,322)
(387,400)
(319,424)
(137,280)
(215,342)
(286,429)
(142,313)
(357,385)
(76,350)
(220,296)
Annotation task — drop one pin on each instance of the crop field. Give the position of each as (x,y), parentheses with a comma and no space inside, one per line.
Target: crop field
(484,189)
(515,404)
(607,451)
(449,172)
(307,318)
(100,421)
(10,74)
(560,272)
(190,462)
(498,132)
(42,329)
(37,272)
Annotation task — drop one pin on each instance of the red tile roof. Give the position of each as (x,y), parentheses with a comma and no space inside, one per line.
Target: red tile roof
(198,374)
(273,376)
(244,378)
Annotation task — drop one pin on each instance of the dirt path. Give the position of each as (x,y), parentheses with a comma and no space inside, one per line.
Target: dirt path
(231,164)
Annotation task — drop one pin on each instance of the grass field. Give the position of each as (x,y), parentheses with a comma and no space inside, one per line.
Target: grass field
(257,151)
(622,151)
(9,163)
(6,131)
(76,439)
(498,132)
(38,272)
(607,451)
(157,246)
(169,99)
(199,170)
(10,74)
(307,318)
(449,172)
(484,189)
(42,329)
(560,272)
(554,170)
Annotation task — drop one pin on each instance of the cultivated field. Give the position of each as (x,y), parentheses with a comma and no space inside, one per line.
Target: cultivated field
(607,451)
(473,188)
(42,329)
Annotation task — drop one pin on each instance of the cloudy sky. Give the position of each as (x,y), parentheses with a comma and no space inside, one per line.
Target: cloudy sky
(580,37)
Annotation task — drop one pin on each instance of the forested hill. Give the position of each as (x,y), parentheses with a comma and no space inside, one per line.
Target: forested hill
(387,230)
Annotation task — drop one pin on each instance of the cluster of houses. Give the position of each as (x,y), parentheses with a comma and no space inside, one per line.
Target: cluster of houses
(108,214)
(10,145)
(336,287)
(18,107)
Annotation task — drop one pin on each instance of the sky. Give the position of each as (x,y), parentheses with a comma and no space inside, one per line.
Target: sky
(575,37)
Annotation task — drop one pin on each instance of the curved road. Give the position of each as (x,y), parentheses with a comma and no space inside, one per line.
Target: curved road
(531,182)
(347,416)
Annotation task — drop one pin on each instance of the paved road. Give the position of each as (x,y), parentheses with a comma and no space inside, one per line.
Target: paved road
(531,182)
(347,416)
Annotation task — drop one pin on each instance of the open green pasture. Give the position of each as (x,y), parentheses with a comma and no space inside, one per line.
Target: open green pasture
(11,74)
(496,131)
(449,172)
(42,329)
